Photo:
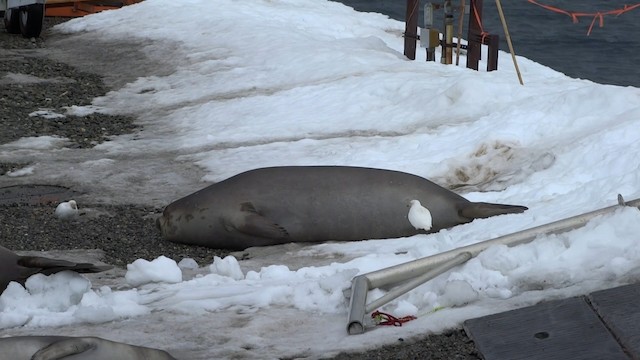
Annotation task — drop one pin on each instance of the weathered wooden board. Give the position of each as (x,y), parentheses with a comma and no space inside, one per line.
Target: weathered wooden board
(555,330)
(619,308)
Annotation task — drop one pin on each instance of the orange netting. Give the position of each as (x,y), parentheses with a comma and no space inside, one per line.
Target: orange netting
(597,16)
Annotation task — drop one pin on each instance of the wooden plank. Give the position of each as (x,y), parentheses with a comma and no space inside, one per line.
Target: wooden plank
(555,330)
(474,49)
(619,308)
(411,29)
(492,56)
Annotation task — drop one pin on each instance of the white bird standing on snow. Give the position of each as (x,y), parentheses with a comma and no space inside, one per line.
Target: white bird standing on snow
(419,216)
(67,210)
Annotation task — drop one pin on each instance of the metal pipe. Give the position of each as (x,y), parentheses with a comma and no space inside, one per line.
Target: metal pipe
(403,272)
(392,294)
(359,288)
(426,39)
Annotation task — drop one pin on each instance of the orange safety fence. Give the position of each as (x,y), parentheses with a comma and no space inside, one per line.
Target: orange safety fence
(597,16)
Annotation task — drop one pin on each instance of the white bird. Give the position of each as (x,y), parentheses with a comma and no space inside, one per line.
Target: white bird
(67,210)
(419,216)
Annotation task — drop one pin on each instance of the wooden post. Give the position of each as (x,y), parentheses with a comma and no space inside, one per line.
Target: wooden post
(475,31)
(447,44)
(460,25)
(411,29)
(492,58)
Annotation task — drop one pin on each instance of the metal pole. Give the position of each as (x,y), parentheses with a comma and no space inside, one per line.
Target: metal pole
(392,294)
(403,272)
(359,288)
(427,37)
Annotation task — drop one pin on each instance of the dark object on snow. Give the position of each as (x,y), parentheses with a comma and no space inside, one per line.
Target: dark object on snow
(14,267)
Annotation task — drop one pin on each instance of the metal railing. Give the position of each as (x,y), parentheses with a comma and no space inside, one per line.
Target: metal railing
(414,273)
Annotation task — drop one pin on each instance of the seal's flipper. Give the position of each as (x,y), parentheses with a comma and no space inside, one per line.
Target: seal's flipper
(480,210)
(250,222)
(42,262)
(248,207)
(48,266)
(63,348)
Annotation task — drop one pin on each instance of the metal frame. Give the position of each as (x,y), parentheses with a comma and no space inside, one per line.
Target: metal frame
(417,272)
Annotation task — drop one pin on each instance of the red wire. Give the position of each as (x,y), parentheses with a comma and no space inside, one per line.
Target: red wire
(597,16)
(388,319)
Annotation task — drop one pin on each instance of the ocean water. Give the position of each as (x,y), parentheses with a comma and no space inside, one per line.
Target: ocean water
(609,55)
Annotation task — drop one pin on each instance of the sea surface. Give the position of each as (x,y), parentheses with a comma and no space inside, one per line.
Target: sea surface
(608,55)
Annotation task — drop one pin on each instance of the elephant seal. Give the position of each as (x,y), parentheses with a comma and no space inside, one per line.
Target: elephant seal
(77,348)
(276,205)
(14,267)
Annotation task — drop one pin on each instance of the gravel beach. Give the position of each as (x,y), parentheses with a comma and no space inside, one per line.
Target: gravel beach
(124,232)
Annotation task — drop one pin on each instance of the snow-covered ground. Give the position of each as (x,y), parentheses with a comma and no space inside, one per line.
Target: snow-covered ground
(311,82)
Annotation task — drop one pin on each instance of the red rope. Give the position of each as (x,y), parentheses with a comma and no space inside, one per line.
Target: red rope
(388,319)
(597,16)
(483,33)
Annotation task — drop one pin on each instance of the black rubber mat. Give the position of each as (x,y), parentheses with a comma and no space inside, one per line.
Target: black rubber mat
(555,330)
(619,308)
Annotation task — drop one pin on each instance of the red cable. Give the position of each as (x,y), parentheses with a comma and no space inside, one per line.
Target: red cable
(597,16)
(483,33)
(388,319)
